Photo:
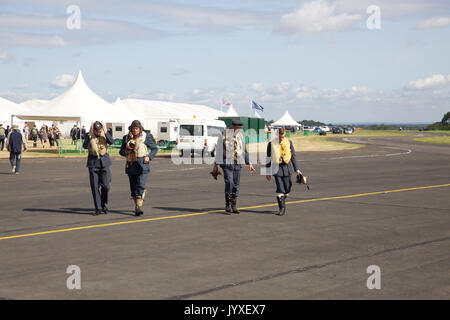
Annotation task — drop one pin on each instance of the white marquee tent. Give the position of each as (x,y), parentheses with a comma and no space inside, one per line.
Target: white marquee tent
(231,112)
(77,104)
(286,121)
(8,108)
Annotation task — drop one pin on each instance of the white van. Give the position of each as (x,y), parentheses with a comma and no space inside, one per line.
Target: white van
(199,135)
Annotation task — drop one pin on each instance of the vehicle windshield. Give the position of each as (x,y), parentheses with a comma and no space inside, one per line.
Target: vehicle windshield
(215,131)
(191,130)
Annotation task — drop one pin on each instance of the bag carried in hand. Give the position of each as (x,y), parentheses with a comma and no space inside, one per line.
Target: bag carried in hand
(301,179)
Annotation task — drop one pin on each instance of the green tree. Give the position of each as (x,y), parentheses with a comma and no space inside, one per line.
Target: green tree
(446,118)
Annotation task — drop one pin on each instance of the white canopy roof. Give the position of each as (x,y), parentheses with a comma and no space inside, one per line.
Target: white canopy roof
(231,112)
(257,115)
(7,108)
(33,104)
(286,121)
(77,103)
(151,109)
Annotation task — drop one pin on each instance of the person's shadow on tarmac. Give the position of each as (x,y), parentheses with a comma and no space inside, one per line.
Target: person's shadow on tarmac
(85,211)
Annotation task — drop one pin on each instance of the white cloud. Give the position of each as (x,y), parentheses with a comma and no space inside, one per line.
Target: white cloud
(179,72)
(5,56)
(434,23)
(32,30)
(391,9)
(16,39)
(436,80)
(63,81)
(315,17)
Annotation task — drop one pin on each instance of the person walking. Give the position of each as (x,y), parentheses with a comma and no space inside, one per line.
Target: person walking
(14,146)
(57,134)
(43,136)
(231,154)
(34,135)
(280,155)
(135,148)
(26,132)
(98,163)
(2,137)
(51,137)
(83,132)
(73,133)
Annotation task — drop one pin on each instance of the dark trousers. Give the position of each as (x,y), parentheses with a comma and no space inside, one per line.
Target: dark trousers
(284,184)
(34,141)
(2,143)
(137,184)
(100,179)
(14,158)
(232,178)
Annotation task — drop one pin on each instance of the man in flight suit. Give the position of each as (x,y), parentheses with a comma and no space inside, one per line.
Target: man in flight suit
(231,154)
(98,163)
(135,148)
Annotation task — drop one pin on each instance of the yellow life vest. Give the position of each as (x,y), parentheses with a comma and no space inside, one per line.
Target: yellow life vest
(98,146)
(282,152)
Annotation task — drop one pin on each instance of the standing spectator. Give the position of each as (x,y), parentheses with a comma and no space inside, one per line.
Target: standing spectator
(7,131)
(34,135)
(51,137)
(57,134)
(83,133)
(14,146)
(26,132)
(43,136)
(73,133)
(2,137)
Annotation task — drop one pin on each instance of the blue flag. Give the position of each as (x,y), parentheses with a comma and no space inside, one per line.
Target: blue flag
(257,106)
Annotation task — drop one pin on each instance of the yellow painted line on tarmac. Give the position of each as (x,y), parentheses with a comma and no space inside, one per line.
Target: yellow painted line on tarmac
(215,211)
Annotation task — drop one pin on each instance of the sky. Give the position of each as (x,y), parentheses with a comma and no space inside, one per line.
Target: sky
(332,61)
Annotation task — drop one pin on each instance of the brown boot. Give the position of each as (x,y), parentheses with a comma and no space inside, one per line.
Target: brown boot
(233,204)
(138,205)
(227,203)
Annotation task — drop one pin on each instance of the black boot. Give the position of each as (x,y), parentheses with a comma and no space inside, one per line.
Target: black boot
(281,206)
(227,203)
(233,204)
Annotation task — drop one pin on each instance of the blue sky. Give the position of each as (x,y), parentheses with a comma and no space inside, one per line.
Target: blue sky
(315,58)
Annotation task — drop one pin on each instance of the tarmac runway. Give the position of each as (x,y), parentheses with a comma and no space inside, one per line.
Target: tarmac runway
(384,205)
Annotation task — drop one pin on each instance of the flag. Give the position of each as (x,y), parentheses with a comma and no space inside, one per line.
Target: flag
(257,106)
(226,103)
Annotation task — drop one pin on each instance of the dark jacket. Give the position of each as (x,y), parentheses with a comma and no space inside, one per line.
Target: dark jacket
(15,141)
(94,162)
(141,167)
(284,169)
